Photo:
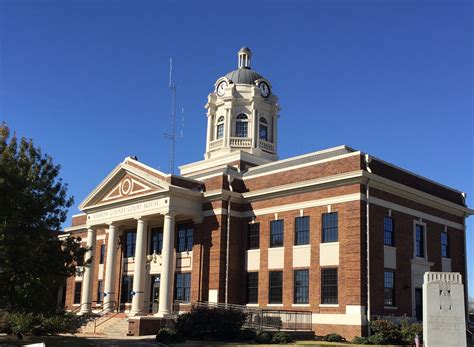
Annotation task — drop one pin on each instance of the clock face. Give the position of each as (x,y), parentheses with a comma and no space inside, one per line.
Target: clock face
(264,89)
(221,88)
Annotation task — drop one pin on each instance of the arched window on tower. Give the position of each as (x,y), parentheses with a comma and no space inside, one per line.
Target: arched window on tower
(263,129)
(220,128)
(241,125)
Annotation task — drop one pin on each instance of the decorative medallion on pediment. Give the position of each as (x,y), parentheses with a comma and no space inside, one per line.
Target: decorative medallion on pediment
(128,186)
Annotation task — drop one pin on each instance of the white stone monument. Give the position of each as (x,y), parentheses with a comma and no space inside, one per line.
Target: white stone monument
(444,319)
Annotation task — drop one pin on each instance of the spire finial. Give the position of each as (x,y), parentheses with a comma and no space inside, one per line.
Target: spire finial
(245,54)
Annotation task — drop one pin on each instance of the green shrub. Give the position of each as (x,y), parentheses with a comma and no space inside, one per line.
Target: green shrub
(202,322)
(377,339)
(167,335)
(247,335)
(28,324)
(409,330)
(263,337)
(386,331)
(281,337)
(360,340)
(333,338)
(3,322)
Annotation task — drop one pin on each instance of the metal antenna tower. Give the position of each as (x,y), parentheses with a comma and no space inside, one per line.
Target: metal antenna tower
(172,134)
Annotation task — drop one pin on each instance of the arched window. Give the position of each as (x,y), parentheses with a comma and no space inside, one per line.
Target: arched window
(220,128)
(241,125)
(263,129)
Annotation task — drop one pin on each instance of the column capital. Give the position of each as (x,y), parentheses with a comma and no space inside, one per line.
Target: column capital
(171,214)
(141,219)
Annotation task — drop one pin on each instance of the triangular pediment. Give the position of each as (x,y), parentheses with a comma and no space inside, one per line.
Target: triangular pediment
(127,181)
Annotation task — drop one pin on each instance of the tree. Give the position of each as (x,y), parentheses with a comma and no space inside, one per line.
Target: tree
(34,263)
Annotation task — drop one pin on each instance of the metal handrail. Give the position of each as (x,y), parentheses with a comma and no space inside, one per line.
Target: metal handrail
(259,318)
(103,312)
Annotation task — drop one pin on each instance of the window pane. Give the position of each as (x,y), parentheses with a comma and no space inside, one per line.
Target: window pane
(77,292)
(241,129)
(100,291)
(389,288)
(276,233)
(130,240)
(156,244)
(330,227)
(388,231)
(102,253)
(329,286)
(420,243)
(220,131)
(126,290)
(302,230)
(253,236)
(183,287)
(301,286)
(263,133)
(276,287)
(444,244)
(252,287)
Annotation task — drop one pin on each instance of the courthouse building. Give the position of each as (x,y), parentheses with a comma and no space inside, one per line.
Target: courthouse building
(336,232)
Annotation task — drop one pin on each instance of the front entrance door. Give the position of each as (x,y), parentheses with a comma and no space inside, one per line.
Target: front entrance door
(154,293)
(419,303)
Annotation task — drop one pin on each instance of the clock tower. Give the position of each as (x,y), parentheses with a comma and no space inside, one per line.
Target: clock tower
(242,114)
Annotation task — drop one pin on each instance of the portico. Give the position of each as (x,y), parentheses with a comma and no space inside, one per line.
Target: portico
(116,206)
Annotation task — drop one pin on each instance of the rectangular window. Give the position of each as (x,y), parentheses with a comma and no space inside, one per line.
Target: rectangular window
(420,241)
(276,233)
(130,241)
(388,231)
(185,237)
(389,288)
(252,287)
(302,230)
(241,129)
(77,292)
(183,287)
(329,286)
(156,244)
(126,289)
(220,131)
(444,244)
(102,253)
(330,221)
(301,289)
(100,291)
(276,287)
(253,236)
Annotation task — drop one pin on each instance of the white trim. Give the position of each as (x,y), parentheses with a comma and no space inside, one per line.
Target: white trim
(328,305)
(274,305)
(415,213)
(300,305)
(251,305)
(76,228)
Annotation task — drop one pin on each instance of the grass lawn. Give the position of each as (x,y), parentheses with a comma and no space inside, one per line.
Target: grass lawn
(50,341)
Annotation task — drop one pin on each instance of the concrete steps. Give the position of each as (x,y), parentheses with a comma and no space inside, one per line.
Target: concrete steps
(111,324)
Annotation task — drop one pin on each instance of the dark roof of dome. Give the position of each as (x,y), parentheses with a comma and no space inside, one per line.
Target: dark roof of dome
(243,76)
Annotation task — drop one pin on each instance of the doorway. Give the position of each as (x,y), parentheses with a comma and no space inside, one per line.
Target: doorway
(154,293)
(419,304)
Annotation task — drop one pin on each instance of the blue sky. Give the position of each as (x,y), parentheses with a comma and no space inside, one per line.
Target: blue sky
(88,80)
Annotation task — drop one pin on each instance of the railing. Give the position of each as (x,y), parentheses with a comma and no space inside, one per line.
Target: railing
(261,319)
(215,144)
(240,142)
(266,146)
(111,305)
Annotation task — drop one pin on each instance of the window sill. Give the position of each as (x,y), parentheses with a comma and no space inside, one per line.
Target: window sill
(390,307)
(274,305)
(276,247)
(300,305)
(328,305)
(329,243)
(251,305)
(253,250)
(302,246)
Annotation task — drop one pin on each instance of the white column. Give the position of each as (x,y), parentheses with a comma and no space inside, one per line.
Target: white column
(109,287)
(167,273)
(209,136)
(139,269)
(228,128)
(86,296)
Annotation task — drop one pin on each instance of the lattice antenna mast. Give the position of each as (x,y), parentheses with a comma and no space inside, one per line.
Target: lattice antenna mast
(172,134)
